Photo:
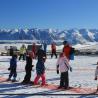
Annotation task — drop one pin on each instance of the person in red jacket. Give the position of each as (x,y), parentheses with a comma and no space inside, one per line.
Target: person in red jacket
(53,50)
(66,49)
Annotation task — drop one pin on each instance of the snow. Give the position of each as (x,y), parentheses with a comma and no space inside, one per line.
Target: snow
(91,35)
(82,75)
(62,35)
(25,30)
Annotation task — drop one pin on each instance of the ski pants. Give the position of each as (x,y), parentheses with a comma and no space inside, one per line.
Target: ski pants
(27,76)
(13,73)
(53,53)
(38,77)
(22,56)
(64,79)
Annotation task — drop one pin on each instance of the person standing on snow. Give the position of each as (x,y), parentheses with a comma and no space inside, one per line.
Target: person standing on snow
(53,50)
(40,67)
(12,68)
(67,49)
(28,68)
(22,52)
(63,66)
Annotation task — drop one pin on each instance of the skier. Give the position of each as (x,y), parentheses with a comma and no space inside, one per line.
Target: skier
(12,68)
(23,52)
(53,50)
(63,66)
(28,69)
(96,74)
(67,49)
(40,67)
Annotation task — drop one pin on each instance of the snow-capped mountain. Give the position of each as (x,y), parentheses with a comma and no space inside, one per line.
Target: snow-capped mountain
(74,36)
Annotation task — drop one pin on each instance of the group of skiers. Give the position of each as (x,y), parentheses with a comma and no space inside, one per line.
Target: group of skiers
(62,65)
(40,68)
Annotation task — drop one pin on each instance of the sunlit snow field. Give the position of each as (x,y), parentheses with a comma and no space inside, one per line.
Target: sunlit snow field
(82,76)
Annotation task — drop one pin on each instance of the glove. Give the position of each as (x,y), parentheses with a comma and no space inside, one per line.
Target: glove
(95,78)
(70,69)
(57,71)
(9,68)
(32,65)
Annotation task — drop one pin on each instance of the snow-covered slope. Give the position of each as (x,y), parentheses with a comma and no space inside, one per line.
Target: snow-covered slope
(81,78)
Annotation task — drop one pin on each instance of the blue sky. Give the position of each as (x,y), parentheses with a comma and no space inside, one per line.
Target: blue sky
(56,14)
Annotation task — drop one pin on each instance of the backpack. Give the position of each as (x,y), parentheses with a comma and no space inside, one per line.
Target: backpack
(72,52)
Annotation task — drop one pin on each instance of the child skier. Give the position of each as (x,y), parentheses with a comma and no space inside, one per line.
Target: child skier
(67,49)
(40,67)
(63,66)
(12,68)
(96,74)
(28,69)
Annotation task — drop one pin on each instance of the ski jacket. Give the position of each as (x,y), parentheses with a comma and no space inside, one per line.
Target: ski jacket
(66,51)
(41,55)
(53,47)
(13,63)
(63,64)
(22,50)
(28,66)
(40,67)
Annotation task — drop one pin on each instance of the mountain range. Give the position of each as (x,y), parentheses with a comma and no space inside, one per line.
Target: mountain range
(73,36)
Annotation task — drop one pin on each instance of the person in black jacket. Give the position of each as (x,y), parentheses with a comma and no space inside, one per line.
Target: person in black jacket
(28,69)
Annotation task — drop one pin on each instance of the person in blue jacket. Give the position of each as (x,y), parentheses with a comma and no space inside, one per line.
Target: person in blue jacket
(40,67)
(12,68)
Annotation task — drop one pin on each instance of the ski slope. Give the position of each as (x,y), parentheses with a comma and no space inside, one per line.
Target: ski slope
(81,78)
